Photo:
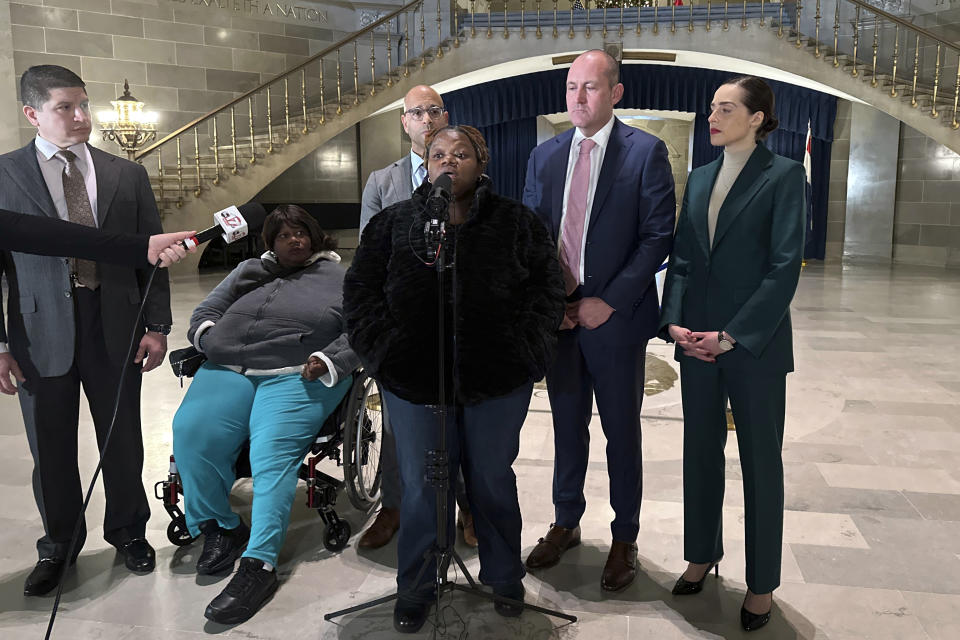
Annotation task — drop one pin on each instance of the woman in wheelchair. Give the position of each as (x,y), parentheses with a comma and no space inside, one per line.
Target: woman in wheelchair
(278,363)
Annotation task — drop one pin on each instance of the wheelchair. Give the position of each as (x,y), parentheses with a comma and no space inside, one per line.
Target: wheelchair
(351,436)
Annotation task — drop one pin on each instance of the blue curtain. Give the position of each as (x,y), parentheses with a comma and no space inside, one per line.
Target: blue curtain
(510,144)
(660,87)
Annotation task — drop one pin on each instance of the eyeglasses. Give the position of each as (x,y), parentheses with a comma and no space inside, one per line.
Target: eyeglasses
(417,113)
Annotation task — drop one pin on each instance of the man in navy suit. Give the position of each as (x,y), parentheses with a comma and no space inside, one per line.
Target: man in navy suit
(606,192)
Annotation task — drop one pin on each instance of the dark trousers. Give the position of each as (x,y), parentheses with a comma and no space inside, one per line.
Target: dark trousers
(483,440)
(613,374)
(757,400)
(51,408)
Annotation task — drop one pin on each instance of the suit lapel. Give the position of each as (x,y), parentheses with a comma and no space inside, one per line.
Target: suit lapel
(23,167)
(699,202)
(751,178)
(617,147)
(403,178)
(107,181)
(557,169)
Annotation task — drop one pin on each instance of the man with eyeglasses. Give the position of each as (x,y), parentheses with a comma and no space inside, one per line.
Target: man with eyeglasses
(423,112)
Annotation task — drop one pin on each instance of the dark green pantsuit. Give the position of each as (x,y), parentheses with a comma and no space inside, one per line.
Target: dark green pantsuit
(757,402)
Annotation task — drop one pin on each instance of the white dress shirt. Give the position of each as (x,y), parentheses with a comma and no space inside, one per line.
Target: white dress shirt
(52,169)
(601,138)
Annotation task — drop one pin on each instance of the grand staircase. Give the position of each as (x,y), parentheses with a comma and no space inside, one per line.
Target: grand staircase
(230,154)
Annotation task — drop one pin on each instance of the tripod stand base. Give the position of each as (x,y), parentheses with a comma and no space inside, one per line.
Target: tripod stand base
(446,587)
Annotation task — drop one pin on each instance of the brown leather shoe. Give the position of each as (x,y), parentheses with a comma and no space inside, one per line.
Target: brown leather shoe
(382,529)
(465,522)
(551,547)
(621,567)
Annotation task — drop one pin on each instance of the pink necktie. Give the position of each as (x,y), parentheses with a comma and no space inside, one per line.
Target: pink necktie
(572,237)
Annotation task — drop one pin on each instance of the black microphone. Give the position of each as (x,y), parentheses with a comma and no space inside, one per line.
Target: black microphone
(233,223)
(438,202)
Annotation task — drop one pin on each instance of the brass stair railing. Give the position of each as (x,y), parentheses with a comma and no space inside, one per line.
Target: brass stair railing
(902,60)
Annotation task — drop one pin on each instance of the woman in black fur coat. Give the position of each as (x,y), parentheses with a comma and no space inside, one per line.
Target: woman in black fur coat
(504,300)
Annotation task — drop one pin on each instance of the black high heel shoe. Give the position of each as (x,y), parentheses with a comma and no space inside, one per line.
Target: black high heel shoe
(687,588)
(752,621)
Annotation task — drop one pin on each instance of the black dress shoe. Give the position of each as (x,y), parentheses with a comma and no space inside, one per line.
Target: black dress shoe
(138,555)
(44,578)
(246,593)
(221,547)
(753,621)
(409,615)
(514,591)
(687,588)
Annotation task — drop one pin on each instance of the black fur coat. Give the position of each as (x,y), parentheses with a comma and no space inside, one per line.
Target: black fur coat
(509,301)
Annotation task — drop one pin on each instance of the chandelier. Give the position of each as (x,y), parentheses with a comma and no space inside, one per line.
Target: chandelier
(128,124)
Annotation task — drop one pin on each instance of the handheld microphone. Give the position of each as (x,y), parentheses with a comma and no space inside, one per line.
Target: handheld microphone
(232,224)
(438,202)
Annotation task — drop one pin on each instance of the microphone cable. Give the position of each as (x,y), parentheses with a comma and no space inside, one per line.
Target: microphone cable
(106,443)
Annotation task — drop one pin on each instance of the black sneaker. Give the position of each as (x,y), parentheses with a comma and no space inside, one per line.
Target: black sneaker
(248,590)
(221,547)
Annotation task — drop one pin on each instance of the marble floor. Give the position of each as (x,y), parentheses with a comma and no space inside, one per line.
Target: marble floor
(872,529)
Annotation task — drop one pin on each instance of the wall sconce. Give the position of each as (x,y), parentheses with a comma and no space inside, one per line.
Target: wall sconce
(128,124)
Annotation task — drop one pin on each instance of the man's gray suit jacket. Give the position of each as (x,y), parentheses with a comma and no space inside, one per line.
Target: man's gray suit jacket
(384,187)
(40,325)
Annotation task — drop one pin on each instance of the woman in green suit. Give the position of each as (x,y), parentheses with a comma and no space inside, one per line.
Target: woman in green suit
(733,272)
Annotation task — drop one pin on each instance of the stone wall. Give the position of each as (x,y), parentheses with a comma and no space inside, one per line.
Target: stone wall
(837,197)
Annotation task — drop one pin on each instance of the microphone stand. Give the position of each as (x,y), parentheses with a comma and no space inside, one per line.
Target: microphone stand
(437,467)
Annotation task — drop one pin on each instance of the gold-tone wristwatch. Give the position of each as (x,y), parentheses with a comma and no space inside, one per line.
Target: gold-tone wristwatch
(724,341)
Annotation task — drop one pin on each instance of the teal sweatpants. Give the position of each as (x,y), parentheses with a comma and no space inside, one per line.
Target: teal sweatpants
(280,415)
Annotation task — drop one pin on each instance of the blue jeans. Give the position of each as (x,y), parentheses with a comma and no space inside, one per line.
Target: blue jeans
(483,440)
(280,415)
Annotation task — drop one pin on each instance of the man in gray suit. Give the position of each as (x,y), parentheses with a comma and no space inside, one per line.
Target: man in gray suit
(68,323)
(422,112)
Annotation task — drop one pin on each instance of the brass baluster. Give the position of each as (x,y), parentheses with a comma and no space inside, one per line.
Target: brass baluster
(523,27)
(339,86)
(179,176)
(816,38)
(708,15)
(539,32)
(456,26)
(586,6)
(489,26)
(373,65)
(726,10)
(936,85)
(570,33)
(780,20)
(690,23)
(876,46)
(836,35)
(955,124)
(799,42)
(856,41)
(406,44)
(604,32)
(673,18)
(473,18)
(439,31)
(656,16)
(506,31)
(762,14)
(639,9)
(356,76)
(269,123)
(303,97)
(620,31)
(555,34)
(216,153)
(743,18)
(253,140)
(896,58)
(233,141)
(196,148)
(390,53)
(423,38)
(323,99)
(160,170)
(286,108)
(916,72)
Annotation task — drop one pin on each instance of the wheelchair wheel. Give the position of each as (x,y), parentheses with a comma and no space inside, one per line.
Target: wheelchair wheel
(336,536)
(178,534)
(362,434)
